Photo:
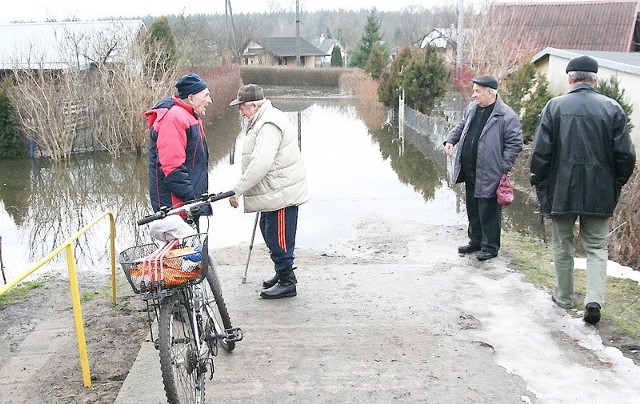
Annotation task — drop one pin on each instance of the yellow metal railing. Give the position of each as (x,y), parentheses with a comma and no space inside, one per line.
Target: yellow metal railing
(73,281)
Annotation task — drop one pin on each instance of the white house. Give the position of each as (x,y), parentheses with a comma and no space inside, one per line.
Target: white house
(327,45)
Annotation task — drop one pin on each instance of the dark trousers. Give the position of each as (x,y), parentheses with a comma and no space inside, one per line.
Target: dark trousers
(279,232)
(485,220)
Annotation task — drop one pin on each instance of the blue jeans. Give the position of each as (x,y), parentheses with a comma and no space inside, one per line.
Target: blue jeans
(278,229)
(593,234)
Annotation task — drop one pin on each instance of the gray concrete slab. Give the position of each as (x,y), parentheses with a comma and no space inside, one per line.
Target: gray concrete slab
(370,332)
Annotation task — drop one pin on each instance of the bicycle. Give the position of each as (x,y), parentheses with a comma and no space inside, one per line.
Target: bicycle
(193,319)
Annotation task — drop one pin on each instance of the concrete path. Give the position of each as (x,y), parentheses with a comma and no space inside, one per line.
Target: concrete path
(367,326)
(397,315)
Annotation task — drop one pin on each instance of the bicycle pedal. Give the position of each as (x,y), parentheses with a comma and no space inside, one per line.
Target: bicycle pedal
(233,334)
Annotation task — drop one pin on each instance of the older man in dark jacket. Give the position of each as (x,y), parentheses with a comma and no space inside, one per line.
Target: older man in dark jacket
(490,139)
(582,156)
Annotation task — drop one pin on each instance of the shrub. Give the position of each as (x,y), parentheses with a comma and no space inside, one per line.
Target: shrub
(422,75)
(377,62)
(336,57)
(527,92)
(611,88)
(12,143)
(291,76)
(364,89)
(624,240)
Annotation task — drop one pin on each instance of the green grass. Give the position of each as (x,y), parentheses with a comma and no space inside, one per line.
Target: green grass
(87,296)
(21,291)
(534,259)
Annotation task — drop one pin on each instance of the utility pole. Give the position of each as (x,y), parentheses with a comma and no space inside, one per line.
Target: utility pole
(460,35)
(228,12)
(298,32)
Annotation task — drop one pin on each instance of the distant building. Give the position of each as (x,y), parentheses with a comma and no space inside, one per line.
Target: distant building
(445,40)
(327,45)
(275,51)
(624,65)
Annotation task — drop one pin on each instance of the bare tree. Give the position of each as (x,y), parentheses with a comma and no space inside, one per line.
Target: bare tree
(97,93)
(126,92)
(196,42)
(415,23)
(496,48)
(49,106)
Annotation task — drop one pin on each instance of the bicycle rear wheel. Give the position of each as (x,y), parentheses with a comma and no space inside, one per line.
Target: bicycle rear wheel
(179,362)
(216,303)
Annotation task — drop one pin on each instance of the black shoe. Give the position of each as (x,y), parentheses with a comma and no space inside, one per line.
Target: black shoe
(591,313)
(286,286)
(466,249)
(485,255)
(267,283)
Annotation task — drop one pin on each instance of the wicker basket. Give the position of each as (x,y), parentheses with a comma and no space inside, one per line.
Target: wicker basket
(151,268)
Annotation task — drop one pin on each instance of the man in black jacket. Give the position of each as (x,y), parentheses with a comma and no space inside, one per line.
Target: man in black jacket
(582,156)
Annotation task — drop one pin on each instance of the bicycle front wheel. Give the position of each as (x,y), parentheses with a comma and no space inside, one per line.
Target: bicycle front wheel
(179,362)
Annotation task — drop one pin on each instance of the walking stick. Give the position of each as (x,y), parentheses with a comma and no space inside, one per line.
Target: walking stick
(253,236)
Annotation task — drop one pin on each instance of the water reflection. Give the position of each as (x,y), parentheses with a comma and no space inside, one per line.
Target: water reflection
(354,163)
(427,135)
(416,160)
(45,203)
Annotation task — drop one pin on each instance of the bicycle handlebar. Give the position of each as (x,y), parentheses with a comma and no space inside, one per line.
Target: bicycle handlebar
(187,207)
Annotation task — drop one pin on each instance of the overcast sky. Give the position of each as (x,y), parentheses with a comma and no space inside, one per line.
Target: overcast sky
(41,10)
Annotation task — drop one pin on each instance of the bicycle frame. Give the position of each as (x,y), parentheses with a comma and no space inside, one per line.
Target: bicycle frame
(186,356)
(190,208)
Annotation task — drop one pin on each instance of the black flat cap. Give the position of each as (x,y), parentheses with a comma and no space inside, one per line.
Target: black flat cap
(486,81)
(582,64)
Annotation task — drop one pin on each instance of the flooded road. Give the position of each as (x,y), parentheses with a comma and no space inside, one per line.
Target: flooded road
(355,172)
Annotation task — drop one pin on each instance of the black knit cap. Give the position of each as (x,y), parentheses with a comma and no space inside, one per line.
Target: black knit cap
(583,64)
(248,93)
(486,81)
(189,84)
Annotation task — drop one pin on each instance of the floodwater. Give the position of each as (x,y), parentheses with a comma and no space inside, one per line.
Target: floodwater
(357,167)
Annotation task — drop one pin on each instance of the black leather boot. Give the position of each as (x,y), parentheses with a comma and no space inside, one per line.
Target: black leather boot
(286,286)
(269,282)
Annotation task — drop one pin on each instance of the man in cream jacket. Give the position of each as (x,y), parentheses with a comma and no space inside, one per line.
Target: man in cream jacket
(273,182)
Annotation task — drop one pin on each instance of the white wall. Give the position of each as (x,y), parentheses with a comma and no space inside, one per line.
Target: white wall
(555,67)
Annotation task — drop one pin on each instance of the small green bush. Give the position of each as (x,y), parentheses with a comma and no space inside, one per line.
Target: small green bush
(12,143)
(611,88)
(527,92)
(421,73)
(336,57)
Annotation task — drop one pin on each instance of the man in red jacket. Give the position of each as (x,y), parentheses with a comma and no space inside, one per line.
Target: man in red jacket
(178,152)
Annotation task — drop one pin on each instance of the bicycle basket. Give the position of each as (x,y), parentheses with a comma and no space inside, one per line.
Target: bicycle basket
(175,264)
